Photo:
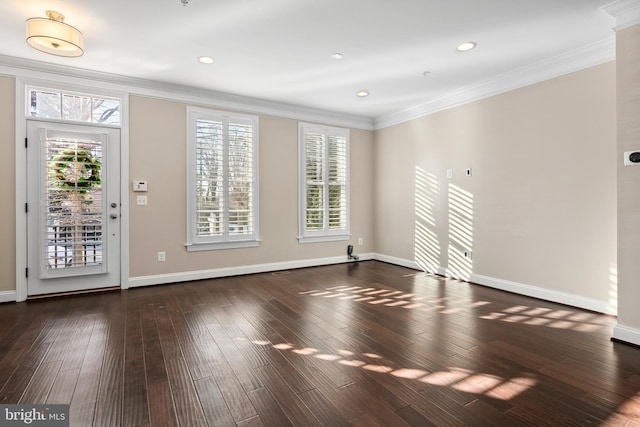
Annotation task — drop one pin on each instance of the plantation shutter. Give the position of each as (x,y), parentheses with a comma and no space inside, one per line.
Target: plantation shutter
(73,211)
(315,206)
(210,194)
(225,179)
(337,182)
(324,181)
(240,178)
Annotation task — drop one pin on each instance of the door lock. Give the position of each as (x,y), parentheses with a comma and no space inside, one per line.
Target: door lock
(114,216)
(114,205)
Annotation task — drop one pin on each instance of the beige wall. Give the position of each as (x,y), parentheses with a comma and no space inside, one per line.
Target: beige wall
(7,184)
(540,206)
(157,154)
(628,83)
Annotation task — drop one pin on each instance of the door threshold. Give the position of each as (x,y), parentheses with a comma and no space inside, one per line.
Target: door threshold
(79,292)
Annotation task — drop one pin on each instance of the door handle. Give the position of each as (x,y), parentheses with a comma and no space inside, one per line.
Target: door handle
(114,216)
(114,205)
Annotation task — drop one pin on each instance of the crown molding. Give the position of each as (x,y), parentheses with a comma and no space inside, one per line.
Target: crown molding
(575,60)
(25,68)
(625,12)
(556,66)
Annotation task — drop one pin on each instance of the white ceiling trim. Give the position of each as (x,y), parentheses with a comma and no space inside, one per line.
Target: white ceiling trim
(626,12)
(575,60)
(24,68)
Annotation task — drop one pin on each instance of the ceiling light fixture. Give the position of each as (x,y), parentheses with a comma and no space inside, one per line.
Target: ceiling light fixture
(426,73)
(363,93)
(337,56)
(52,35)
(205,60)
(463,47)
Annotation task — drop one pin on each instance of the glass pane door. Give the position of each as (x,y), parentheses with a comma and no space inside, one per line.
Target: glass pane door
(73,216)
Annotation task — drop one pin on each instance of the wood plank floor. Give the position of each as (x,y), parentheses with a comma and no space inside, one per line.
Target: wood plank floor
(366,344)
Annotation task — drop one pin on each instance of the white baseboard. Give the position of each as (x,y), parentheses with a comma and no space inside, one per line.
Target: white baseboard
(160,279)
(622,333)
(546,294)
(8,296)
(408,263)
(626,334)
(397,261)
(518,288)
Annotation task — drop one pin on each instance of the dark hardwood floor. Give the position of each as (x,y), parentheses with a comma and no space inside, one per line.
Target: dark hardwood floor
(367,344)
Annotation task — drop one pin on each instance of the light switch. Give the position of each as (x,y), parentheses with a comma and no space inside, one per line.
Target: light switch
(140,186)
(142,200)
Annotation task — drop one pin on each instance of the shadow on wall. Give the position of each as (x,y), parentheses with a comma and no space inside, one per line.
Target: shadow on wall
(426,245)
(458,228)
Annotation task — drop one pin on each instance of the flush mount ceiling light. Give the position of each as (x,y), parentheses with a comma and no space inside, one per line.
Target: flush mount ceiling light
(463,47)
(205,60)
(363,93)
(52,35)
(337,56)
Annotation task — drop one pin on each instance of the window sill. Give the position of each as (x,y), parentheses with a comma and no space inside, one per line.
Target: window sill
(319,239)
(197,247)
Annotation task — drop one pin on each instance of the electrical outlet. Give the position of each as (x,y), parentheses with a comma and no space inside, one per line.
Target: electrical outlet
(162,256)
(141,200)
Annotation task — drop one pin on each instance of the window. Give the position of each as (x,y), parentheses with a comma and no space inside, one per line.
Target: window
(58,105)
(222,198)
(323,183)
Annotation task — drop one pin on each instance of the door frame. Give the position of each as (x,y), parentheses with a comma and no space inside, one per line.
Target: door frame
(76,85)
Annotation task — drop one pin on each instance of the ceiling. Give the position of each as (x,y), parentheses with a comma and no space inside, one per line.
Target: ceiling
(280,50)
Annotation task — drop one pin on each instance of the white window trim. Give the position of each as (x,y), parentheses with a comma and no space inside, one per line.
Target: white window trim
(195,243)
(325,235)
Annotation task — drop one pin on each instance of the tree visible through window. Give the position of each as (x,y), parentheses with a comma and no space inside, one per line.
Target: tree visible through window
(324,183)
(222,179)
(52,104)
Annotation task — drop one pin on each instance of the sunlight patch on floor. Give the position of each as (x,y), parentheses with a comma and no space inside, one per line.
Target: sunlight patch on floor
(460,379)
(556,319)
(519,314)
(388,298)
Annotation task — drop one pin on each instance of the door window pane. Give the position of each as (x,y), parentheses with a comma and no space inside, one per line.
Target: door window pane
(72,217)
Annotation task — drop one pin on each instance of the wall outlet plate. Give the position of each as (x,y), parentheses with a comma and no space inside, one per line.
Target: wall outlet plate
(139,185)
(628,156)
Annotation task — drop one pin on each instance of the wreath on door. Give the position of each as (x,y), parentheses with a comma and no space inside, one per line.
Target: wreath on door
(76,170)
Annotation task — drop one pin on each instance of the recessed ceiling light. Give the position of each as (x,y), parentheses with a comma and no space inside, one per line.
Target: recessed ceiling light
(463,47)
(337,56)
(363,93)
(205,60)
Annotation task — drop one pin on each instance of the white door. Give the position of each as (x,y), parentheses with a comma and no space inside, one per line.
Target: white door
(73,225)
